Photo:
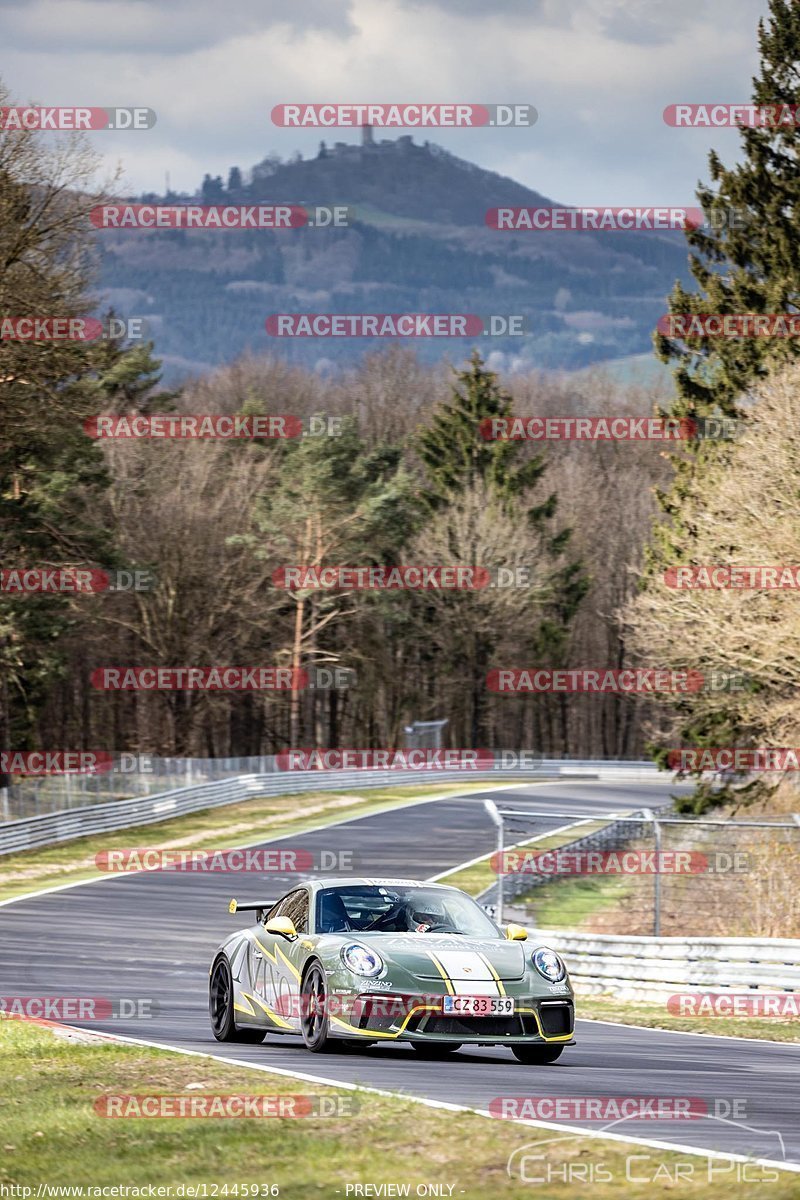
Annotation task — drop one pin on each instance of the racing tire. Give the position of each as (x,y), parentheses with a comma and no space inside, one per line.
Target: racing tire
(436,1049)
(314,1022)
(220,1007)
(537,1054)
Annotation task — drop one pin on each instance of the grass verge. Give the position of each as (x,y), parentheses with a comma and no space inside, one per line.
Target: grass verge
(52,1135)
(226,827)
(655,1016)
(480,875)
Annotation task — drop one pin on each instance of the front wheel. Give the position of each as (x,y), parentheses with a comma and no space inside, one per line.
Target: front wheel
(537,1054)
(220,1007)
(436,1049)
(314,1022)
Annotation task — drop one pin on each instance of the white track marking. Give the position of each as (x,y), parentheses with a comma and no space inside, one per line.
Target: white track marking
(575,1130)
(730,1037)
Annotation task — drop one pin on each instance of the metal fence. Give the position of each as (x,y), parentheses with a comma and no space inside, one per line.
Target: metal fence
(134,775)
(647,872)
(65,825)
(144,776)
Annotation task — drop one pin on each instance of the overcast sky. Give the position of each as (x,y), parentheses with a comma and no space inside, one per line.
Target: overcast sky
(599,72)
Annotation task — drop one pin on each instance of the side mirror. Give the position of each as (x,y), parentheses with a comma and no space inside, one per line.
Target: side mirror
(514,933)
(283,927)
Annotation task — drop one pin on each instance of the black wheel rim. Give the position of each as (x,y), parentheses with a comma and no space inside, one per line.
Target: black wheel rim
(220,995)
(314,1006)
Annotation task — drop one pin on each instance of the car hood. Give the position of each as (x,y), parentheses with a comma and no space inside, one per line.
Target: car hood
(464,960)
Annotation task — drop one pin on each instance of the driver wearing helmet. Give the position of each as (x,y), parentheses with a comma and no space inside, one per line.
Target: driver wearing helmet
(424,914)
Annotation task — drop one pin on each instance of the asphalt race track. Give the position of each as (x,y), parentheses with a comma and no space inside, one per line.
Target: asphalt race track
(152,934)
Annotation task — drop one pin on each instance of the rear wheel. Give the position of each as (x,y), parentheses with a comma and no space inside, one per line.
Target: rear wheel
(220,1007)
(538,1053)
(313,1005)
(436,1049)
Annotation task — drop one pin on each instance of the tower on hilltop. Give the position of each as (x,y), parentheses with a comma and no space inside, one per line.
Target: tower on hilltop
(366,135)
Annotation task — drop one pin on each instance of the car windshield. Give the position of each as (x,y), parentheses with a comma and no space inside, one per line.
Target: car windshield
(401,908)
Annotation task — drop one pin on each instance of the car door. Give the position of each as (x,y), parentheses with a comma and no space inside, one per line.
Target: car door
(277,962)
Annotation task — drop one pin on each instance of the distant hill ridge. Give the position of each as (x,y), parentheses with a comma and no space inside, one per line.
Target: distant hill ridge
(418,243)
(394,175)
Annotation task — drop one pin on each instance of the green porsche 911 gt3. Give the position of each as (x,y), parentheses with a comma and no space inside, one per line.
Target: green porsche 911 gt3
(369,960)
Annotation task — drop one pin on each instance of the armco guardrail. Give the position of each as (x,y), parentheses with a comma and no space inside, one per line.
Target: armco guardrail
(147,810)
(651,968)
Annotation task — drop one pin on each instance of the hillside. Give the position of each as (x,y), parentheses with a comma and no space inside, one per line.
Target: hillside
(418,243)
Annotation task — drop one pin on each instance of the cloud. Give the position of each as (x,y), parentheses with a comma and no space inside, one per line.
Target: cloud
(599,72)
(127,27)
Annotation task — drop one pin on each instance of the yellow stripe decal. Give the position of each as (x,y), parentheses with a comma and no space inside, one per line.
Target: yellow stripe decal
(273,1016)
(560,1037)
(441,971)
(288,963)
(273,958)
(496,977)
(377,1033)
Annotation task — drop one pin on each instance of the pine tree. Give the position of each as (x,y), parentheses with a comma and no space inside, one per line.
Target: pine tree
(457,456)
(745,260)
(747,257)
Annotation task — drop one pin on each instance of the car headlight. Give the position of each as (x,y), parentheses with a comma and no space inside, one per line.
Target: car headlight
(548,963)
(362,961)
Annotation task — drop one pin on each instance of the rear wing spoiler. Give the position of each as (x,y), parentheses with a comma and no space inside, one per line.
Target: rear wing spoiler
(259,908)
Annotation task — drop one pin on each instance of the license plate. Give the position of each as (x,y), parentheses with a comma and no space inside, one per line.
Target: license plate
(478,1006)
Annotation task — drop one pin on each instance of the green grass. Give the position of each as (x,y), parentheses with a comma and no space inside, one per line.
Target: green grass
(480,875)
(50,1133)
(655,1016)
(565,903)
(227,827)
